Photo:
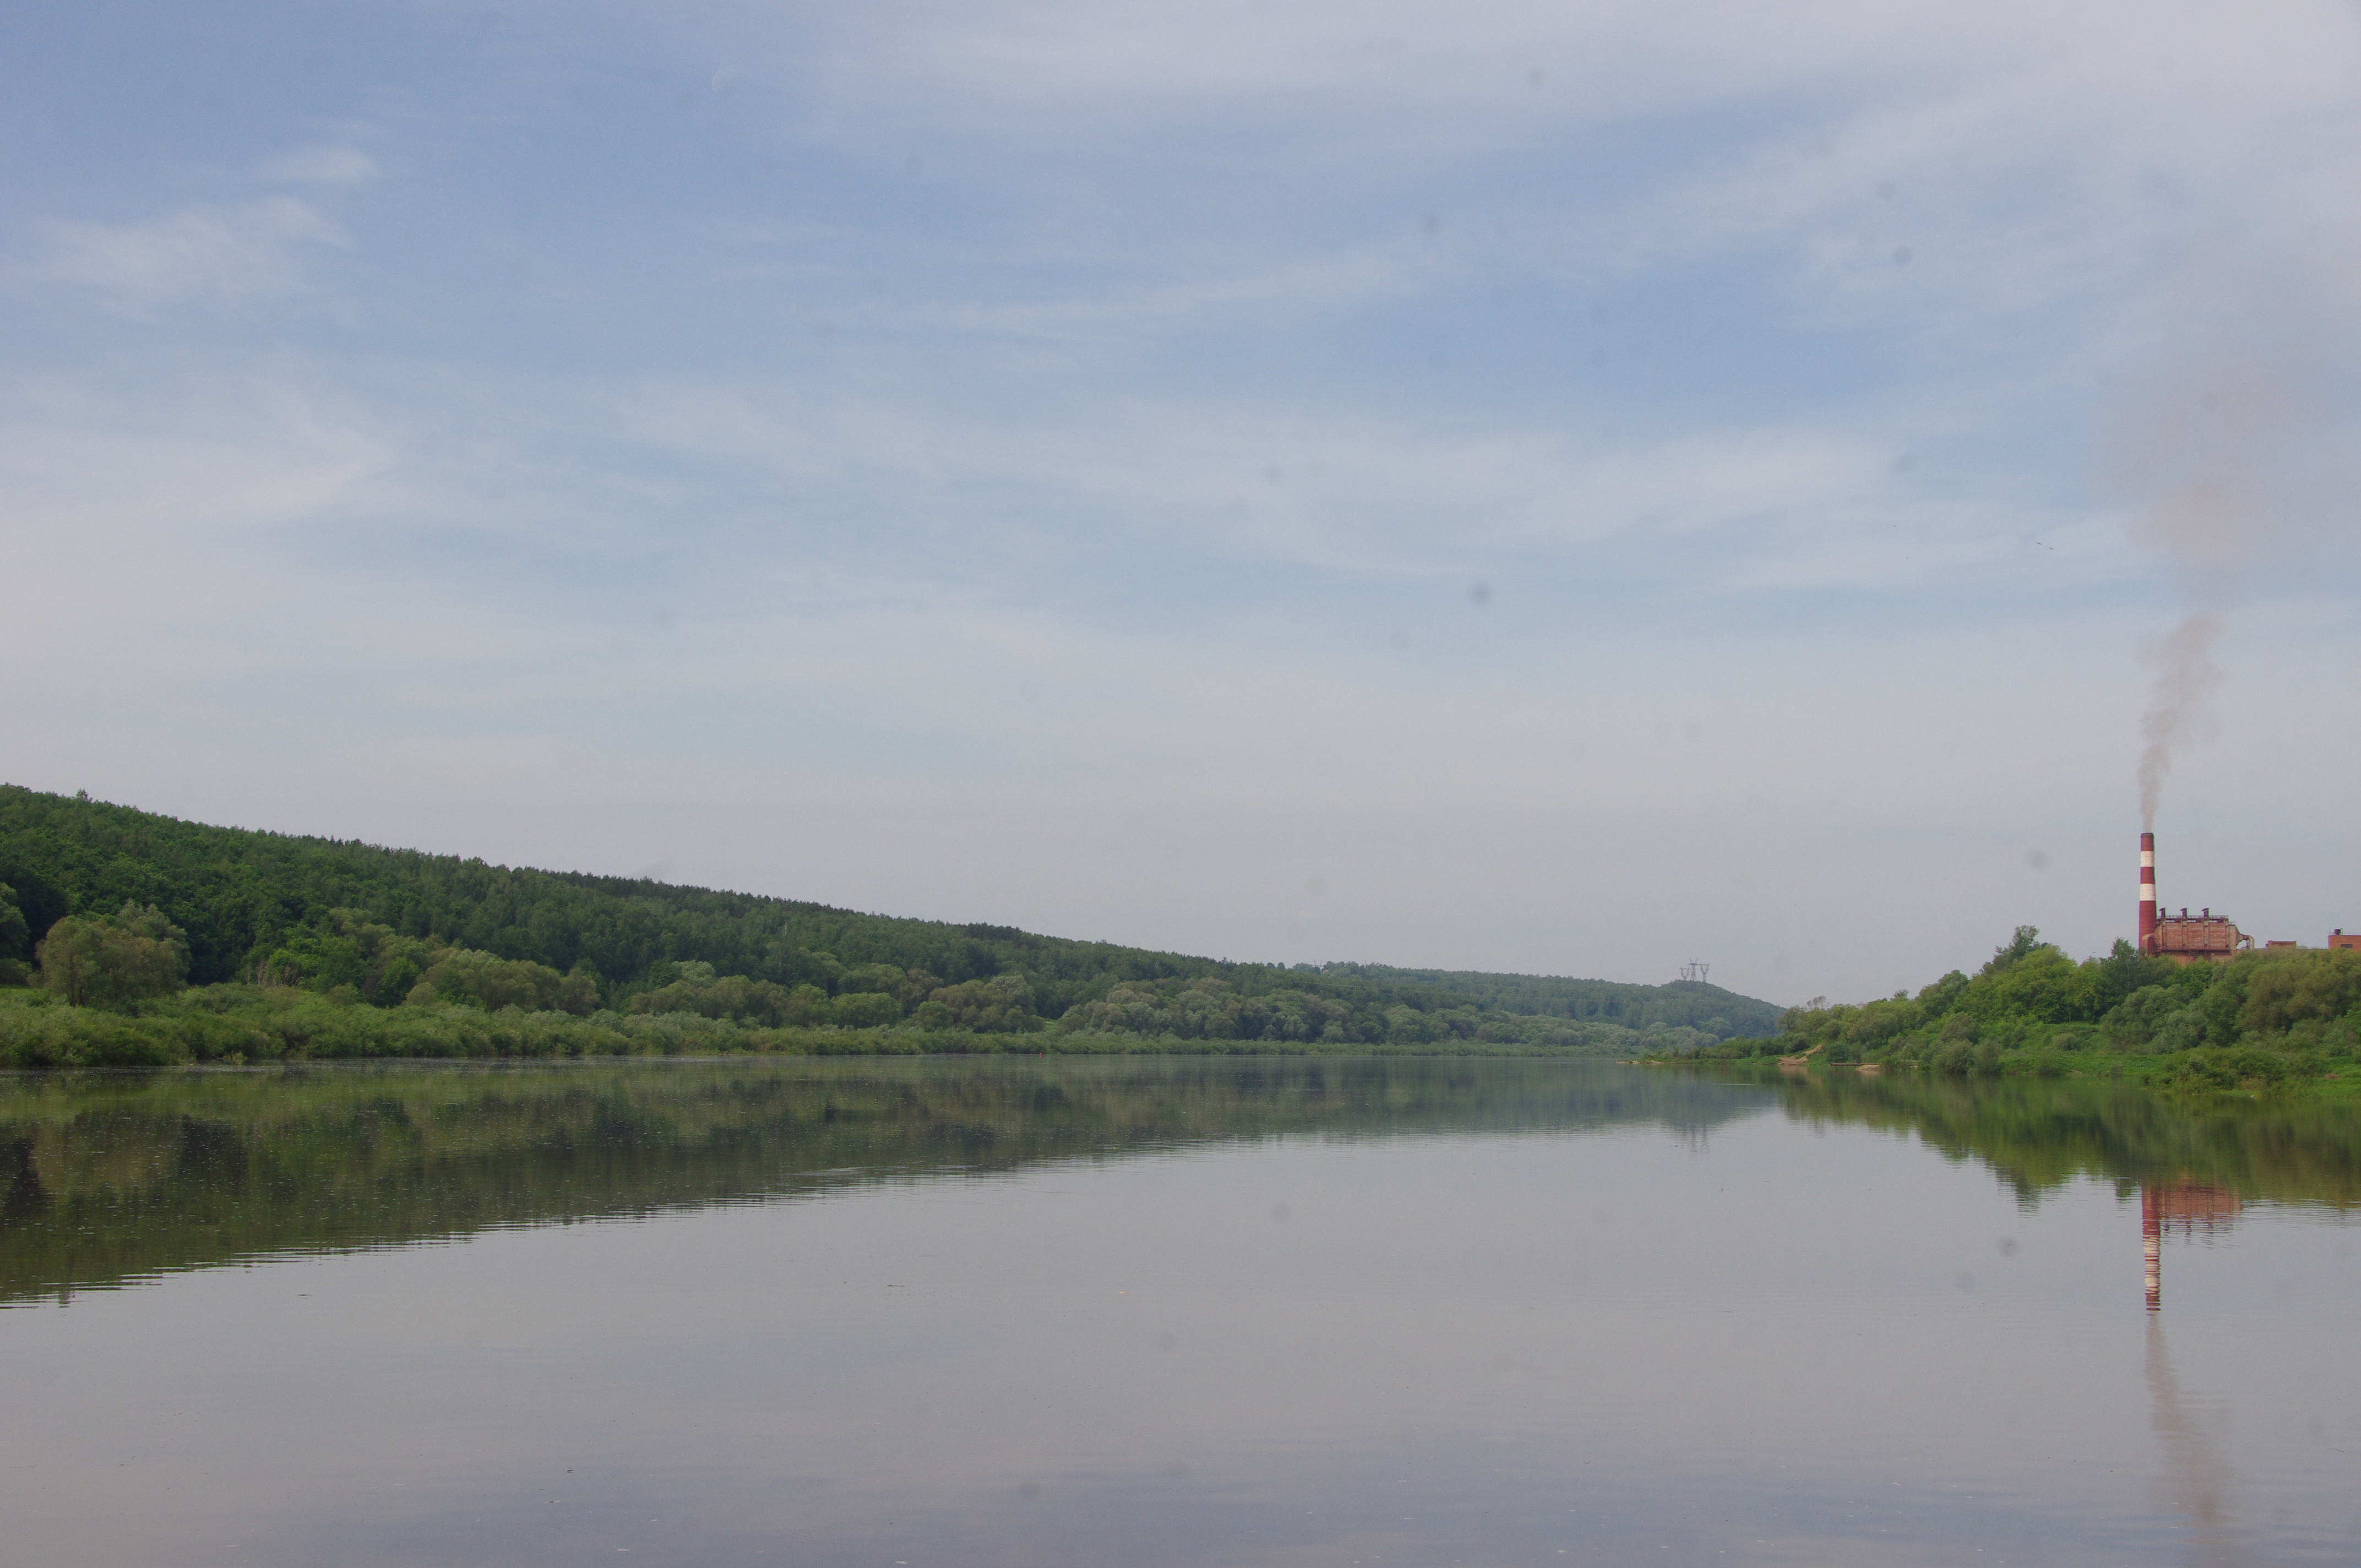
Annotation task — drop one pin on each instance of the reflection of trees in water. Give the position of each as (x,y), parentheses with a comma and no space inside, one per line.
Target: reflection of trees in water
(1691,1135)
(2038,1135)
(115,1177)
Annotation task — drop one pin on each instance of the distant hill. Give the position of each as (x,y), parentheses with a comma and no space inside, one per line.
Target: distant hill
(1688,1004)
(401,930)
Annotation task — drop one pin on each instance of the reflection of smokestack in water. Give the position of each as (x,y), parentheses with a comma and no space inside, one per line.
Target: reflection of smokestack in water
(2152,1228)
(2197,1478)
(2148,894)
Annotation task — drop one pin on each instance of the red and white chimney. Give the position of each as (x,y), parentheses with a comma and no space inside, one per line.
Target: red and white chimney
(2148,894)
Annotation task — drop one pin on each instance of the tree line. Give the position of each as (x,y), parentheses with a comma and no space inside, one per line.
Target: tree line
(182,924)
(2260,1018)
(1685,1004)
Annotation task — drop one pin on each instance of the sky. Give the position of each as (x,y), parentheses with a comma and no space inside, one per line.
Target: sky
(1575,488)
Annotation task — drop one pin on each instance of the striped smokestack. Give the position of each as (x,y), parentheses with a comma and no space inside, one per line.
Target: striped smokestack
(2148,894)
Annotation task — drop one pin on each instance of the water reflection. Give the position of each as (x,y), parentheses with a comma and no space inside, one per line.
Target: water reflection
(115,1177)
(2192,1205)
(2041,1134)
(2194,1167)
(2197,1168)
(2197,1479)
(1172,1313)
(107,1178)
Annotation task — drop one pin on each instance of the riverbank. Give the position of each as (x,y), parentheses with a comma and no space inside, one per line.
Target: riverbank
(247,1025)
(2285,1021)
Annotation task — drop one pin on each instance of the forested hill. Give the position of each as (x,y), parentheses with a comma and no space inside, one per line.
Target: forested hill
(398,928)
(1686,1003)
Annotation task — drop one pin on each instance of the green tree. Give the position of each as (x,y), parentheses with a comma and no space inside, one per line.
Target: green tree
(14,933)
(886,978)
(14,938)
(2018,947)
(345,948)
(115,960)
(1939,998)
(477,979)
(2123,971)
(578,992)
(2286,989)
(1001,1005)
(864,1010)
(699,991)
(2043,983)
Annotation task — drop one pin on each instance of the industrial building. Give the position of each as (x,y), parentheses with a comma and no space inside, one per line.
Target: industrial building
(2187,939)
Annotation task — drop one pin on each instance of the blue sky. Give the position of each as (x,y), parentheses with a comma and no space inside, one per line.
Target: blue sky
(1571,488)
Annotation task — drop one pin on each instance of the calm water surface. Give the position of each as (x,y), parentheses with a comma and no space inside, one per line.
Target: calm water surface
(1181,1311)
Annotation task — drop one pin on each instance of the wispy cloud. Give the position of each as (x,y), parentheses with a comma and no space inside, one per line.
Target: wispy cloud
(1786,508)
(252,250)
(334,164)
(1589,59)
(1304,287)
(2036,155)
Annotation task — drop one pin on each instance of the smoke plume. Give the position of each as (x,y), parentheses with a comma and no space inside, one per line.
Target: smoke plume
(2230,459)
(2182,708)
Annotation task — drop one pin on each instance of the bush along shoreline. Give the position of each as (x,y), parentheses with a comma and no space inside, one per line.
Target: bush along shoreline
(236,1026)
(2276,1021)
(111,995)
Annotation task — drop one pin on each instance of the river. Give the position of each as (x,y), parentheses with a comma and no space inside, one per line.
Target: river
(1187,1311)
